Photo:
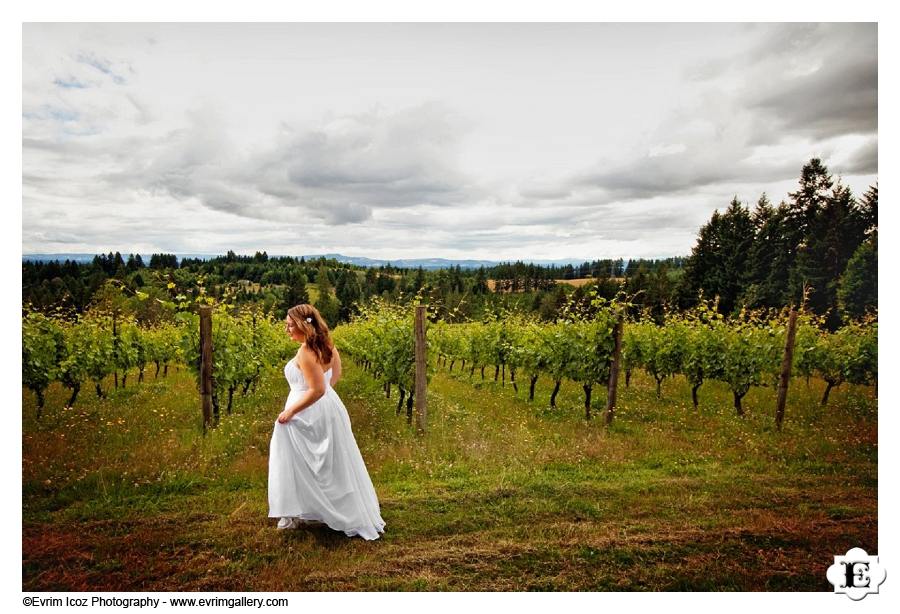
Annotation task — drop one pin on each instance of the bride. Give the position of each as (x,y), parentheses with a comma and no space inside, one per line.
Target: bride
(316,472)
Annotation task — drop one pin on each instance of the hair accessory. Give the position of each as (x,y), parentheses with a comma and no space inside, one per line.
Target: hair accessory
(309,319)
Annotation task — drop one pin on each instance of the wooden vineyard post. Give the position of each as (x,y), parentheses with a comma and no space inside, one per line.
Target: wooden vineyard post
(785,377)
(614,371)
(115,349)
(421,416)
(206,366)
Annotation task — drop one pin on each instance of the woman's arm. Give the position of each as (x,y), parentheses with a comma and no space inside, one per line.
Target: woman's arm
(335,366)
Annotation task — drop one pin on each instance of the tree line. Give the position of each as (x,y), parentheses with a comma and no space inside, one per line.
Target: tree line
(819,245)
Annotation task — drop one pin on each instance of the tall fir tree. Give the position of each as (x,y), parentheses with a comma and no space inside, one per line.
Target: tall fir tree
(771,259)
(481,285)
(295,293)
(419,281)
(699,264)
(370,286)
(857,291)
(329,307)
(803,211)
(735,241)
(718,265)
(868,207)
(349,293)
(326,302)
(813,192)
(323,281)
(836,230)
(760,255)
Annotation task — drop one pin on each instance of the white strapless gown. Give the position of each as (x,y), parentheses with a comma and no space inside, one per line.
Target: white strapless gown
(316,471)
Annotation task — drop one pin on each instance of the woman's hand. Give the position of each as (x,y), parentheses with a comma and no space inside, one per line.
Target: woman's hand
(285,416)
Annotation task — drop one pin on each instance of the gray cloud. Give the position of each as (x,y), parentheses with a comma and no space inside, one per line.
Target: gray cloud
(375,159)
(649,177)
(54,237)
(811,82)
(862,161)
(337,173)
(839,98)
(555,192)
(813,79)
(635,177)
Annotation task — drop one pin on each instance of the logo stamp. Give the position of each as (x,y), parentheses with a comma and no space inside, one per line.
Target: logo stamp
(856,574)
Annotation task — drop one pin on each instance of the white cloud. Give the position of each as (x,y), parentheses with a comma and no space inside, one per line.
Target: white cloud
(666,150)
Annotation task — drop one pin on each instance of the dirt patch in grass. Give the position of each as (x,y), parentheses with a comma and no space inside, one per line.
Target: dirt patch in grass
(757,550)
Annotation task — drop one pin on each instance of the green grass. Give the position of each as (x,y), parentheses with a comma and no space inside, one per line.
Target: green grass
(125,493)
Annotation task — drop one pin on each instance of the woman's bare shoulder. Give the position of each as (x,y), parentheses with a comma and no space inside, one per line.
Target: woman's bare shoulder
(308,359)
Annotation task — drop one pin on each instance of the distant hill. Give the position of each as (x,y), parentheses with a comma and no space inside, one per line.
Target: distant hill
(412,263)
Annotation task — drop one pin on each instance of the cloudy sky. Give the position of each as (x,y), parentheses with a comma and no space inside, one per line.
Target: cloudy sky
(469,140)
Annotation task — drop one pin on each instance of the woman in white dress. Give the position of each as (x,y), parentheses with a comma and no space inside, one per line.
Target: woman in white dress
(316,472)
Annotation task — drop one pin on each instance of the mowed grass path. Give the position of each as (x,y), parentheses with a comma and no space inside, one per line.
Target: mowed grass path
(501,494)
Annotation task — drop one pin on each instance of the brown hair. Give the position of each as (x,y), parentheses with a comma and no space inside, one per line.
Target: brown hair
(318,338)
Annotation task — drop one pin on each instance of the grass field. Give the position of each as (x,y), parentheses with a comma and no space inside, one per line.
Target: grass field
(501,494)
(581,281)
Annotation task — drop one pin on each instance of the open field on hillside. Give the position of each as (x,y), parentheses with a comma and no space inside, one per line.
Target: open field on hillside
(492,283)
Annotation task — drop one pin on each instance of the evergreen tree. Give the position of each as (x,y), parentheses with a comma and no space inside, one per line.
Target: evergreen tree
(858,288)
(868,209)
(329,307)
(481,285)
(769,255)
(456,279)
(718,264)
(803,213)
(552,302)
(384,283)
(349,293)
(442,282)
(404,286)
(659,288)
(814,191)
(636,284)
(371,283)
(134,263)
(607,287)
(836,230)
(295,293)
(419,281)
(322,280)
(736,241)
